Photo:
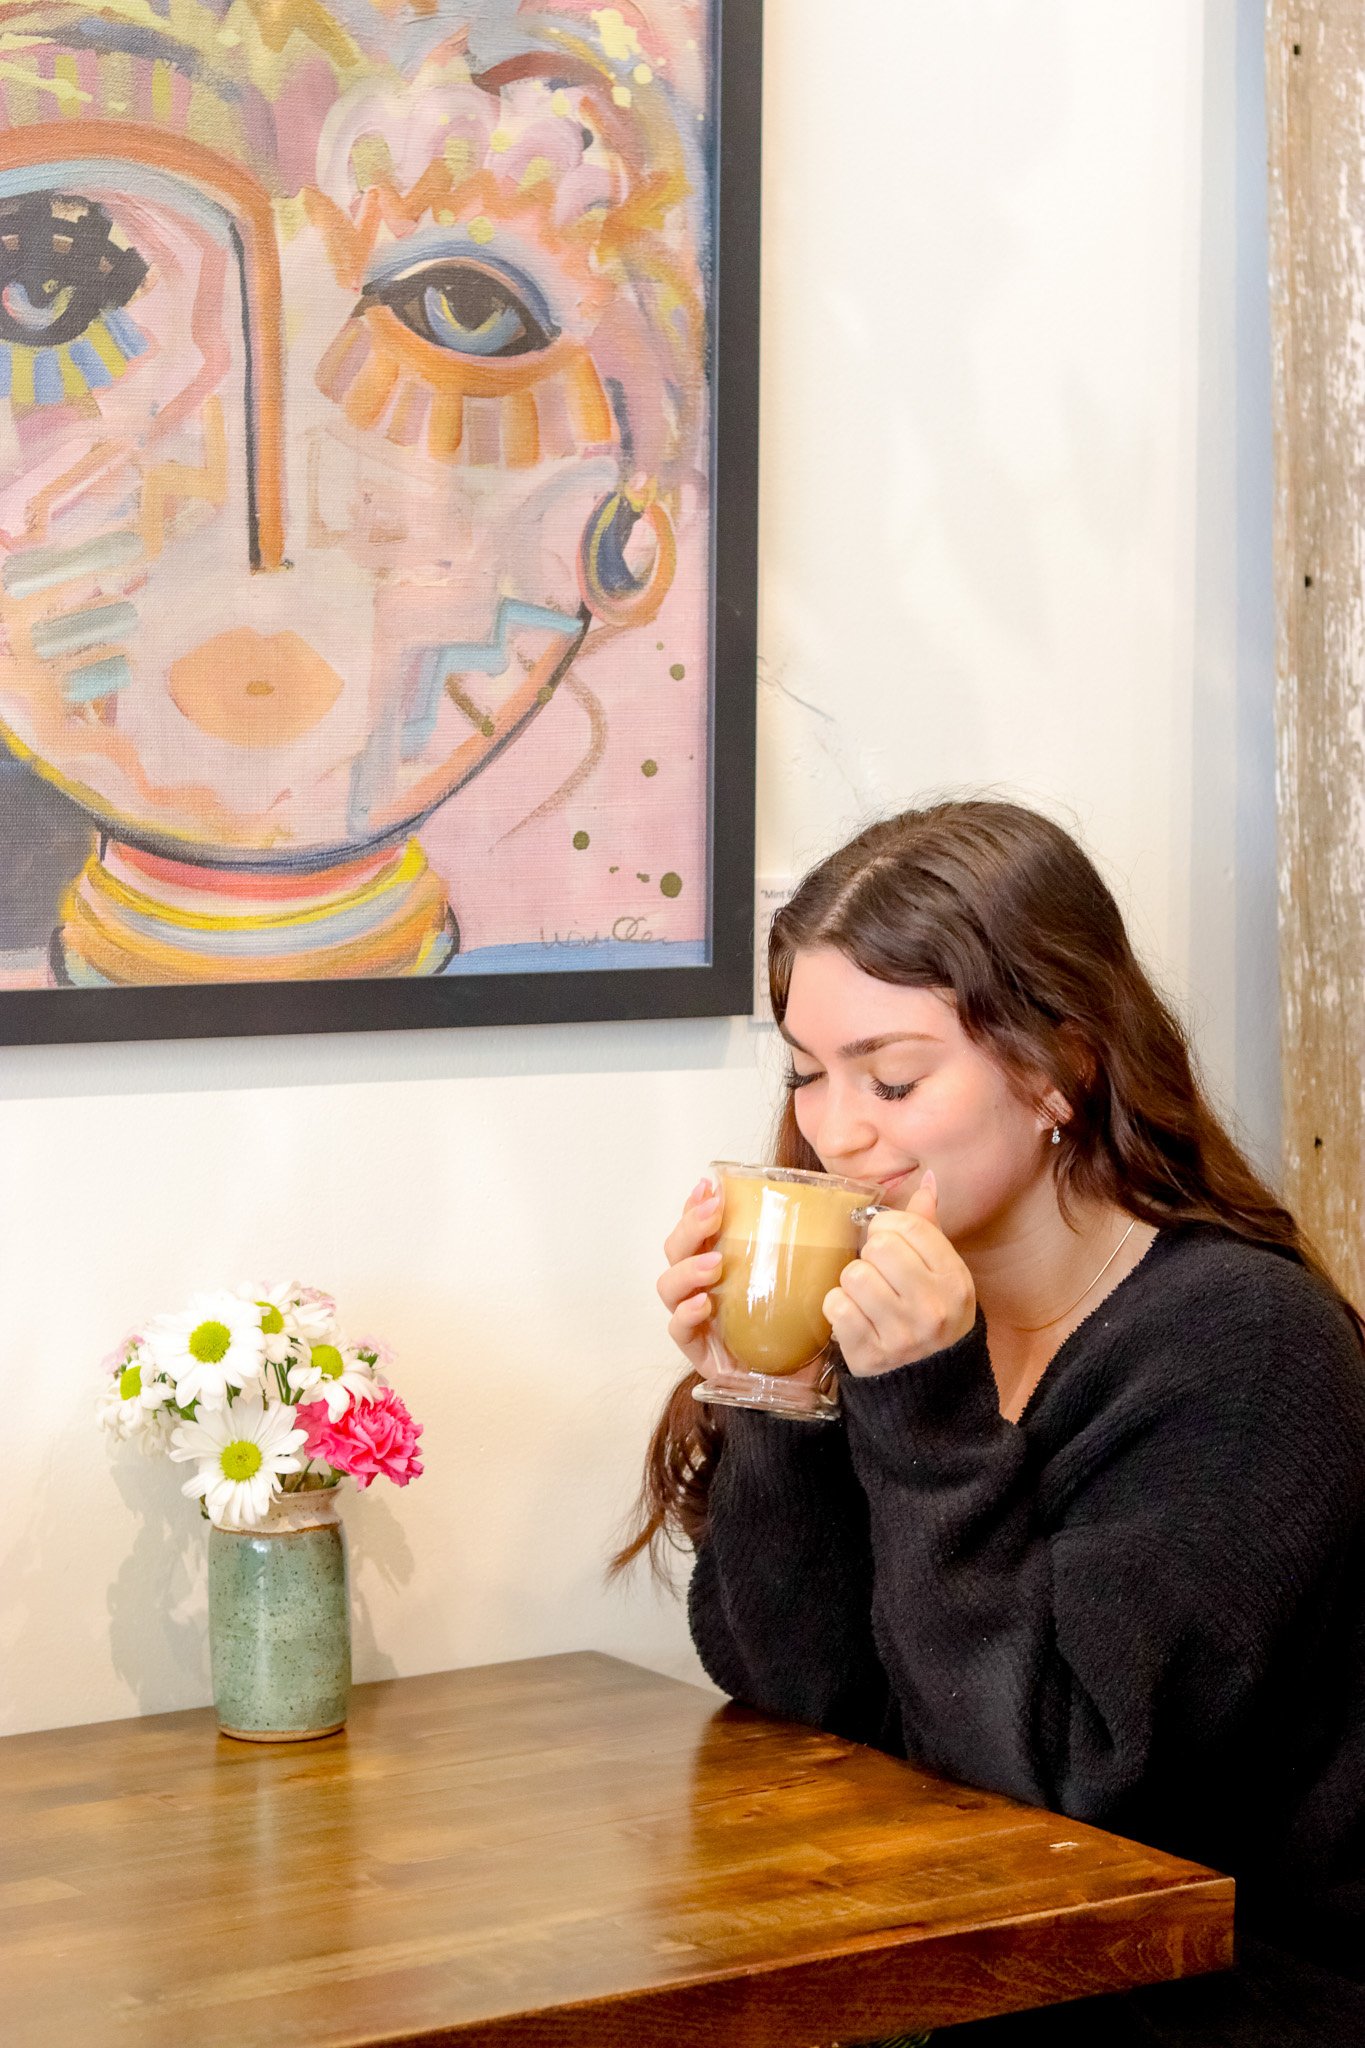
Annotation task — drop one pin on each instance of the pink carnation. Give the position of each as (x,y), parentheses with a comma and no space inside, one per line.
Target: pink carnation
(372,1438)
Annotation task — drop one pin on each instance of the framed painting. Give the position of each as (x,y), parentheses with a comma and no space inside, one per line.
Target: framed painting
(378,448)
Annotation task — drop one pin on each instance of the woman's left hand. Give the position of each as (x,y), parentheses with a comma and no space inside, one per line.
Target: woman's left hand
(907,1294)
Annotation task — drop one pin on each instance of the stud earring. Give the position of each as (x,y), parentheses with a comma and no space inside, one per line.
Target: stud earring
(1056,1134)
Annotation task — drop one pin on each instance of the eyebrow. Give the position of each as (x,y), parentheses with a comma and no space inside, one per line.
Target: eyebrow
(859,1048)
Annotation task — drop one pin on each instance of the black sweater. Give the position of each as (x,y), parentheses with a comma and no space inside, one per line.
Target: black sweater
(1143,1606)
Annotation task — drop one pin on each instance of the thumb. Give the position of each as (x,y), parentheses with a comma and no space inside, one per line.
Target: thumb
(924,1201)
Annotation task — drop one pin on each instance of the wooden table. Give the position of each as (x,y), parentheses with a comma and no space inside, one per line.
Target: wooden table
(565,1853)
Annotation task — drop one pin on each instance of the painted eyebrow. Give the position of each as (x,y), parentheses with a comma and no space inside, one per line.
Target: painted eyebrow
(859,1048)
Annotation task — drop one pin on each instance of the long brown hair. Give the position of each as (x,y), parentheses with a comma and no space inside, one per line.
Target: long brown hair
(1001,908)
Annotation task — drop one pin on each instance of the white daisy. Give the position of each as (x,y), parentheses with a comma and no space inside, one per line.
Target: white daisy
(301,1375)
(311,1315)
(214,1345)
(242,1450)
(273,1305)
(345,1374)
(132,1395)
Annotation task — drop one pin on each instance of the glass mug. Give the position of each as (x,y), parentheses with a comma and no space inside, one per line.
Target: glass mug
(784,1239)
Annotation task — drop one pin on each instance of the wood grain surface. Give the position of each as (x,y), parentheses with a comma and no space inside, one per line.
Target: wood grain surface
(564,1853)
(1315,68)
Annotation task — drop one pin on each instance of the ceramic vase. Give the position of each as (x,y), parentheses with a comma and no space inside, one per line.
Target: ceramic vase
(280,1622)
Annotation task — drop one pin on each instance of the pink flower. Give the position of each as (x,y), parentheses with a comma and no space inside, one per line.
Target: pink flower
(378,1354)
(372,1438)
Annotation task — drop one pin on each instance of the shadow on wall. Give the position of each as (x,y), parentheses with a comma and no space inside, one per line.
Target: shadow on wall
(379,1549)
(158,1634)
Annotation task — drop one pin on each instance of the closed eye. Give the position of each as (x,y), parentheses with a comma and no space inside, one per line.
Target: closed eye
(893,1091)
(465,307)
(795,1080)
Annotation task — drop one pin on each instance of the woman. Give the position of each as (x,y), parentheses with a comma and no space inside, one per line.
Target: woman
(1092,1532)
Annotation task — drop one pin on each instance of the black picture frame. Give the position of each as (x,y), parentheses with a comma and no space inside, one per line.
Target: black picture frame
(723,987)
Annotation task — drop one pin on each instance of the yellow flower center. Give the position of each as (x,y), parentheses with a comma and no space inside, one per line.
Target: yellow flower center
(241,1460)
(328,1361)
(210,1342)
(272,1322)
(130,1383)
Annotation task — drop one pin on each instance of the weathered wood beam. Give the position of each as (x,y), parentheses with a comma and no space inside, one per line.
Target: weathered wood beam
(1315,56)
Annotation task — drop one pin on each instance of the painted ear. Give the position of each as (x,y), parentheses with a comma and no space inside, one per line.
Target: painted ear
(614,590)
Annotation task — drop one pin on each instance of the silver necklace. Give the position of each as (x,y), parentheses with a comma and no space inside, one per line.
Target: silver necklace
(1029,1329)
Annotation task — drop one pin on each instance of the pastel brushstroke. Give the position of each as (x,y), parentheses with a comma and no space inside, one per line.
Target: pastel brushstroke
(354,477)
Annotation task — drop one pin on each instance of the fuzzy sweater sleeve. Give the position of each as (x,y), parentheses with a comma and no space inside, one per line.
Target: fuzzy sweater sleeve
(780,1603)
(1101,1636)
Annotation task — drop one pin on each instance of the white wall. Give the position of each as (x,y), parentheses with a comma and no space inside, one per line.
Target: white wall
(1016,532)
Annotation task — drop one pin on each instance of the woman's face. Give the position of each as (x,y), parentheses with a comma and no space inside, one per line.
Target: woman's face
(889,1085)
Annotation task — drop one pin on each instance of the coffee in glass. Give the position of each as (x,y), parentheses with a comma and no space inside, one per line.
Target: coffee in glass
(785,1237)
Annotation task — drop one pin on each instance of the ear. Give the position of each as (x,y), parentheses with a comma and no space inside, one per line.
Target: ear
(1053,1109)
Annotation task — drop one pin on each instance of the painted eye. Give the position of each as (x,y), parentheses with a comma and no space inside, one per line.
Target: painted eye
(60,268)
(466,308)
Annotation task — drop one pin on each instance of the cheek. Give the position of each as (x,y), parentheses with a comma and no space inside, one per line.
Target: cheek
(981,1136)
(1001,1160)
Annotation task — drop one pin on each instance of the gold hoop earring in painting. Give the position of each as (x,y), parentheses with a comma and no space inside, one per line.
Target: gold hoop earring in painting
(611,589)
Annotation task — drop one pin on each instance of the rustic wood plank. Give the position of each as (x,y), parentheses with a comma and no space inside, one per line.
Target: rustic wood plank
(564,1853)
(1315,53)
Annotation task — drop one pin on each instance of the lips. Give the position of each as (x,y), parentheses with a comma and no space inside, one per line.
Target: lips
(256,689)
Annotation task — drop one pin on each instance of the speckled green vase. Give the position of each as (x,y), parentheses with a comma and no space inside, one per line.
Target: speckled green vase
(280,1623)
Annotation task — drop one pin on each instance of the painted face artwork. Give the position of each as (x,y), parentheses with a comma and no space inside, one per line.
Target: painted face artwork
(354,517)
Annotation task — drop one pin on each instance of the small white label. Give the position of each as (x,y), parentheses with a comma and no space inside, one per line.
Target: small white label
(770,893)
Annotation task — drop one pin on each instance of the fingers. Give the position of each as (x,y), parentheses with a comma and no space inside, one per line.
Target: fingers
(697,1225)
(688,1277)
(687,1326)
(877,1329)
(851,1327)
(893,1233)
(869,1291)
(907,1295)
(692,1267)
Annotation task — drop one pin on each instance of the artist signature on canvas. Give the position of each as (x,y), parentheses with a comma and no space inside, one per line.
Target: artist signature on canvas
(629,930)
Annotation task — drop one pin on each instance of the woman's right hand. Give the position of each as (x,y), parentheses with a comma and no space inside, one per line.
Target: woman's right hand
(693,1266)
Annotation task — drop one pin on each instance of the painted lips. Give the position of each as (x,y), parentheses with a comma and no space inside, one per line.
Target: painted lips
(256,689)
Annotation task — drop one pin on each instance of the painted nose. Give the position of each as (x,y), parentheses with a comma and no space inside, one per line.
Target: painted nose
(256,689)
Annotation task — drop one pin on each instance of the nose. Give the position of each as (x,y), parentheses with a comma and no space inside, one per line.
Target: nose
(844,1131)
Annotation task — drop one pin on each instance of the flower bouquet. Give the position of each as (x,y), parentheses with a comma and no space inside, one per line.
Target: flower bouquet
(261,1393)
